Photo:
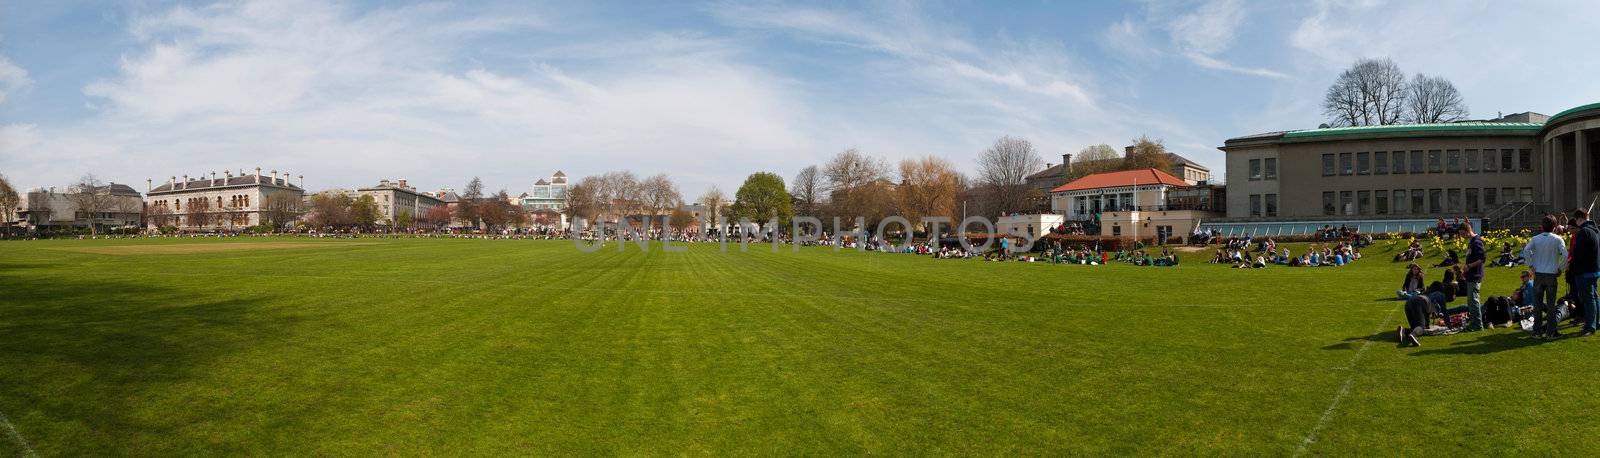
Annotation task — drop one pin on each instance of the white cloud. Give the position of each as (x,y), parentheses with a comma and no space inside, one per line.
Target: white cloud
(12,78)
(347,97)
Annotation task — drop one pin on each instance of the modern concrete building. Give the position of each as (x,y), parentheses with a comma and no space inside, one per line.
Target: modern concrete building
(396,198)
(46,209)
(1402,177)
(226,202)
(547,194)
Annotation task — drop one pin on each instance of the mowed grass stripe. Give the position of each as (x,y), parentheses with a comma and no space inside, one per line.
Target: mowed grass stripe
(524,347)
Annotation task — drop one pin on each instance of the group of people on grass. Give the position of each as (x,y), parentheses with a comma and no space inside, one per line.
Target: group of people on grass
(1268,253)
(1567,248)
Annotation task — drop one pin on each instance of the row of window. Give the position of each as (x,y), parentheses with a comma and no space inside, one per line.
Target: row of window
(1430,161)
(234,201)
(1419,201)
(1264,169)
(1263,205)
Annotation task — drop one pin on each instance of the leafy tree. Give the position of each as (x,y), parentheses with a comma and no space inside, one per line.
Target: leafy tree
(763,197)
(364,211)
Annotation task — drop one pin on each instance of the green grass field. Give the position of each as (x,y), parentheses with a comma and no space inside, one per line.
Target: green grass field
(522,347)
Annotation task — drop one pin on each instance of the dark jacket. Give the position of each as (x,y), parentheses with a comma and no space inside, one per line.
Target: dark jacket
(1413,282)
(1585,249)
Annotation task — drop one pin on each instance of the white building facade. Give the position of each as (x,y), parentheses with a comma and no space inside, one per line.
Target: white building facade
(227,202)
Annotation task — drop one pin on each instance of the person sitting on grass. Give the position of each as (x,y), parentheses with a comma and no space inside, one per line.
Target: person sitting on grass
(1413,284)
(1507,259)
(1450,259)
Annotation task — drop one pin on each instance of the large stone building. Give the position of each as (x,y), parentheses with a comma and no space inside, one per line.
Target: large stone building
(396,198)
(46,209)
(1403,177)
(226,202)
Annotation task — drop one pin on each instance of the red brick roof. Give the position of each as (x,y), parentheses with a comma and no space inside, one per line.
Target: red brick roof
(1122,178)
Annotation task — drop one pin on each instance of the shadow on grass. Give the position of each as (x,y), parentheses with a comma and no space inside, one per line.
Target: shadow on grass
(1487,342)
(83,359)
(1387,336)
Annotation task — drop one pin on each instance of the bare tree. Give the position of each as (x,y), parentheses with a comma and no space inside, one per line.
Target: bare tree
(807,189)
(660,196)
(1148,154)
(1371,92)
(1431,99)
(92,199)
(8,200)
(620,194)
(1095,159)
(279,209)
(471,200)
(583,200)
(928,187)
(1003,169)
(858,186)
(713,199)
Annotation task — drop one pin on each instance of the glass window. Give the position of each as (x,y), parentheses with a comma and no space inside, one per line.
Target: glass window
(1489,200)
(1453,161)
(1489,163)
(1272,204)
(1418,205)
(1380,163)
(1346,164)
(1364,202)
(1472,200)
(1363,163)
(1255,169)
(1416,162)
(1525,160)
(1435,161)
(1271,168)
(1327,165)
(1347,202)
(1380,202)
(1506,161)
(1255,205)
(1509,194)
(1472,160)
(1327,203)
(1453,200)
(1525,194)
(1436,201)
(1400,202)
(1399,162)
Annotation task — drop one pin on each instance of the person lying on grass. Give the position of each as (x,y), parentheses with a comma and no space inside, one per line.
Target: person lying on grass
(1450,259)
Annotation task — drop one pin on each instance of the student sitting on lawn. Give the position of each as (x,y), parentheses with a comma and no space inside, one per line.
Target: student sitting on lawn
(1507,259)
(1451,259)
(1413,284)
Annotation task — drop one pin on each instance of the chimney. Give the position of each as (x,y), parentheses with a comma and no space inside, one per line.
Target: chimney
(172,183)
(403,183)
(186,182)
(149,185)
(1066,164)
(274,178)
(302,181)
(258,175)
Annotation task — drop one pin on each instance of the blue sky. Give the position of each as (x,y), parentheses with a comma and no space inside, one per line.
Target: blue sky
(349,93)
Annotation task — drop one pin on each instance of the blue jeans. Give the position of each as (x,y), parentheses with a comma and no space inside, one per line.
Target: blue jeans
(1583,289)
(1474,306)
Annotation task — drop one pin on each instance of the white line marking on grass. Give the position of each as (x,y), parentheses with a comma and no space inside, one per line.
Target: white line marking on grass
(11,431)
(1311,437)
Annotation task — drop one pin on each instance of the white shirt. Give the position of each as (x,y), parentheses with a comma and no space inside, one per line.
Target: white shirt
(1545,253)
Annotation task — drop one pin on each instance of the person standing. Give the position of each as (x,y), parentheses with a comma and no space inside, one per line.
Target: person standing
(1545,254)
(1584,267)
(1472,275)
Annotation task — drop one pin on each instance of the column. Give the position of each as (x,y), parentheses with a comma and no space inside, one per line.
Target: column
(1558,194)
(1581,170)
